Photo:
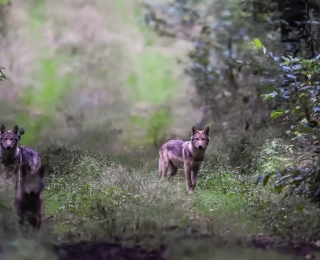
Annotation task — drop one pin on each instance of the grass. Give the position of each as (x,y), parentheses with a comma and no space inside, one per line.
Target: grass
(92,196)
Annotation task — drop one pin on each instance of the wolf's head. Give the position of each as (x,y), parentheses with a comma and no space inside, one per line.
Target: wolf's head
(32,180)
(9,139)
(200,139)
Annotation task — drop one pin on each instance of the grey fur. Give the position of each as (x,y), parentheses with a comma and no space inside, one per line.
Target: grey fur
(187,155)
(13,156)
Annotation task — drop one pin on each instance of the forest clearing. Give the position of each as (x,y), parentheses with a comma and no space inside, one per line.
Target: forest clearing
(100,86)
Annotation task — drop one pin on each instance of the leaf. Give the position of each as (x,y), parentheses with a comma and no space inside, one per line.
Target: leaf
(304,130)
(264,50)
(238,61)
(269,96)
(265,179)
(271,55)
(258,43)
(290,76)
(297,67)
(276,114)
(286,59)
(285,67)
(278,188)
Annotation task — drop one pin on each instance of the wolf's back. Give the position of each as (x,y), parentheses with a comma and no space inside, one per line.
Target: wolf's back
(30,157)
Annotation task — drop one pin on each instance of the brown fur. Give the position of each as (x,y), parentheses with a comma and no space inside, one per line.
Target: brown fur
(10,151)
(29,196)
(13,155)
(187,155)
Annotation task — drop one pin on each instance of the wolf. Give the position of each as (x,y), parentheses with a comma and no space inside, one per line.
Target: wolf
(10,151)
(13,155)
(187,155)
(29,196)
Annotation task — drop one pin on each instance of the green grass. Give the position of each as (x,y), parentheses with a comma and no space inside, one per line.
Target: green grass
(91,196)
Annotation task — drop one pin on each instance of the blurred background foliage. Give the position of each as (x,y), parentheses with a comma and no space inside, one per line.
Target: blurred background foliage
(246,52)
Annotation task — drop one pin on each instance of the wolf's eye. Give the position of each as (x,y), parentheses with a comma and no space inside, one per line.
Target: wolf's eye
(6,138)
(203,139)
(197,139)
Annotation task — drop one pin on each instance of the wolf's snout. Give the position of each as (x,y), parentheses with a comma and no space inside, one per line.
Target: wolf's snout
(200,147)
(9,147)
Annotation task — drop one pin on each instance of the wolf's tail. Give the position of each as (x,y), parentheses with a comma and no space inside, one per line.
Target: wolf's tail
(160,169)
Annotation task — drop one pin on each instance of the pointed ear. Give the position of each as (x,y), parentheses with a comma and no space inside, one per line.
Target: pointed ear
(15,129)
(3,129)
(207,130)
(194,130)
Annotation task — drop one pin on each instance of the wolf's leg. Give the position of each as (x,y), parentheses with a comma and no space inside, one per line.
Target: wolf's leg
(194,175)
(163,164)
(160,169)
(174,171)
(39,213)
(187,172)
(19,221)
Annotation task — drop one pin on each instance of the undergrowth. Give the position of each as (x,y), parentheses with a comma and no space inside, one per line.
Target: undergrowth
(92,196)
(249,204)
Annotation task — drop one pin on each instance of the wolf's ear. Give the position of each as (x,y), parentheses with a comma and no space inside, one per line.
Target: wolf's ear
(15,129)
(207,130)
(194,130)
(3,129)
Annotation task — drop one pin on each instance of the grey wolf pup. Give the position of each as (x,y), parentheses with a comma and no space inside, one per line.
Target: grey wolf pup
(13,155)
(29,196)
(187,155)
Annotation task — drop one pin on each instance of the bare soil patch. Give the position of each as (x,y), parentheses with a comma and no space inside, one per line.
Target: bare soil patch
(89,250)
(307,250)
(107,251)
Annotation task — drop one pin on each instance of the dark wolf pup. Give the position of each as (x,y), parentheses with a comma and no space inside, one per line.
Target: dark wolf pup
(29,196)
(187,155)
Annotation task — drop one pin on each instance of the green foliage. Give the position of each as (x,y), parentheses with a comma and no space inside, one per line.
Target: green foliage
(274,155)
(78,189)
(299,88)
(90,196)
(220,33)
(243,205)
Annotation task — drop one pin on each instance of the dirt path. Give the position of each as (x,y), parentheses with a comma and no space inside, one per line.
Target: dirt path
(106,251)
(113,251)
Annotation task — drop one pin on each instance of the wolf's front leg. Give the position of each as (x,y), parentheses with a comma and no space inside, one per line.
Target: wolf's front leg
(194,175)
(187,172)
(39,213)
